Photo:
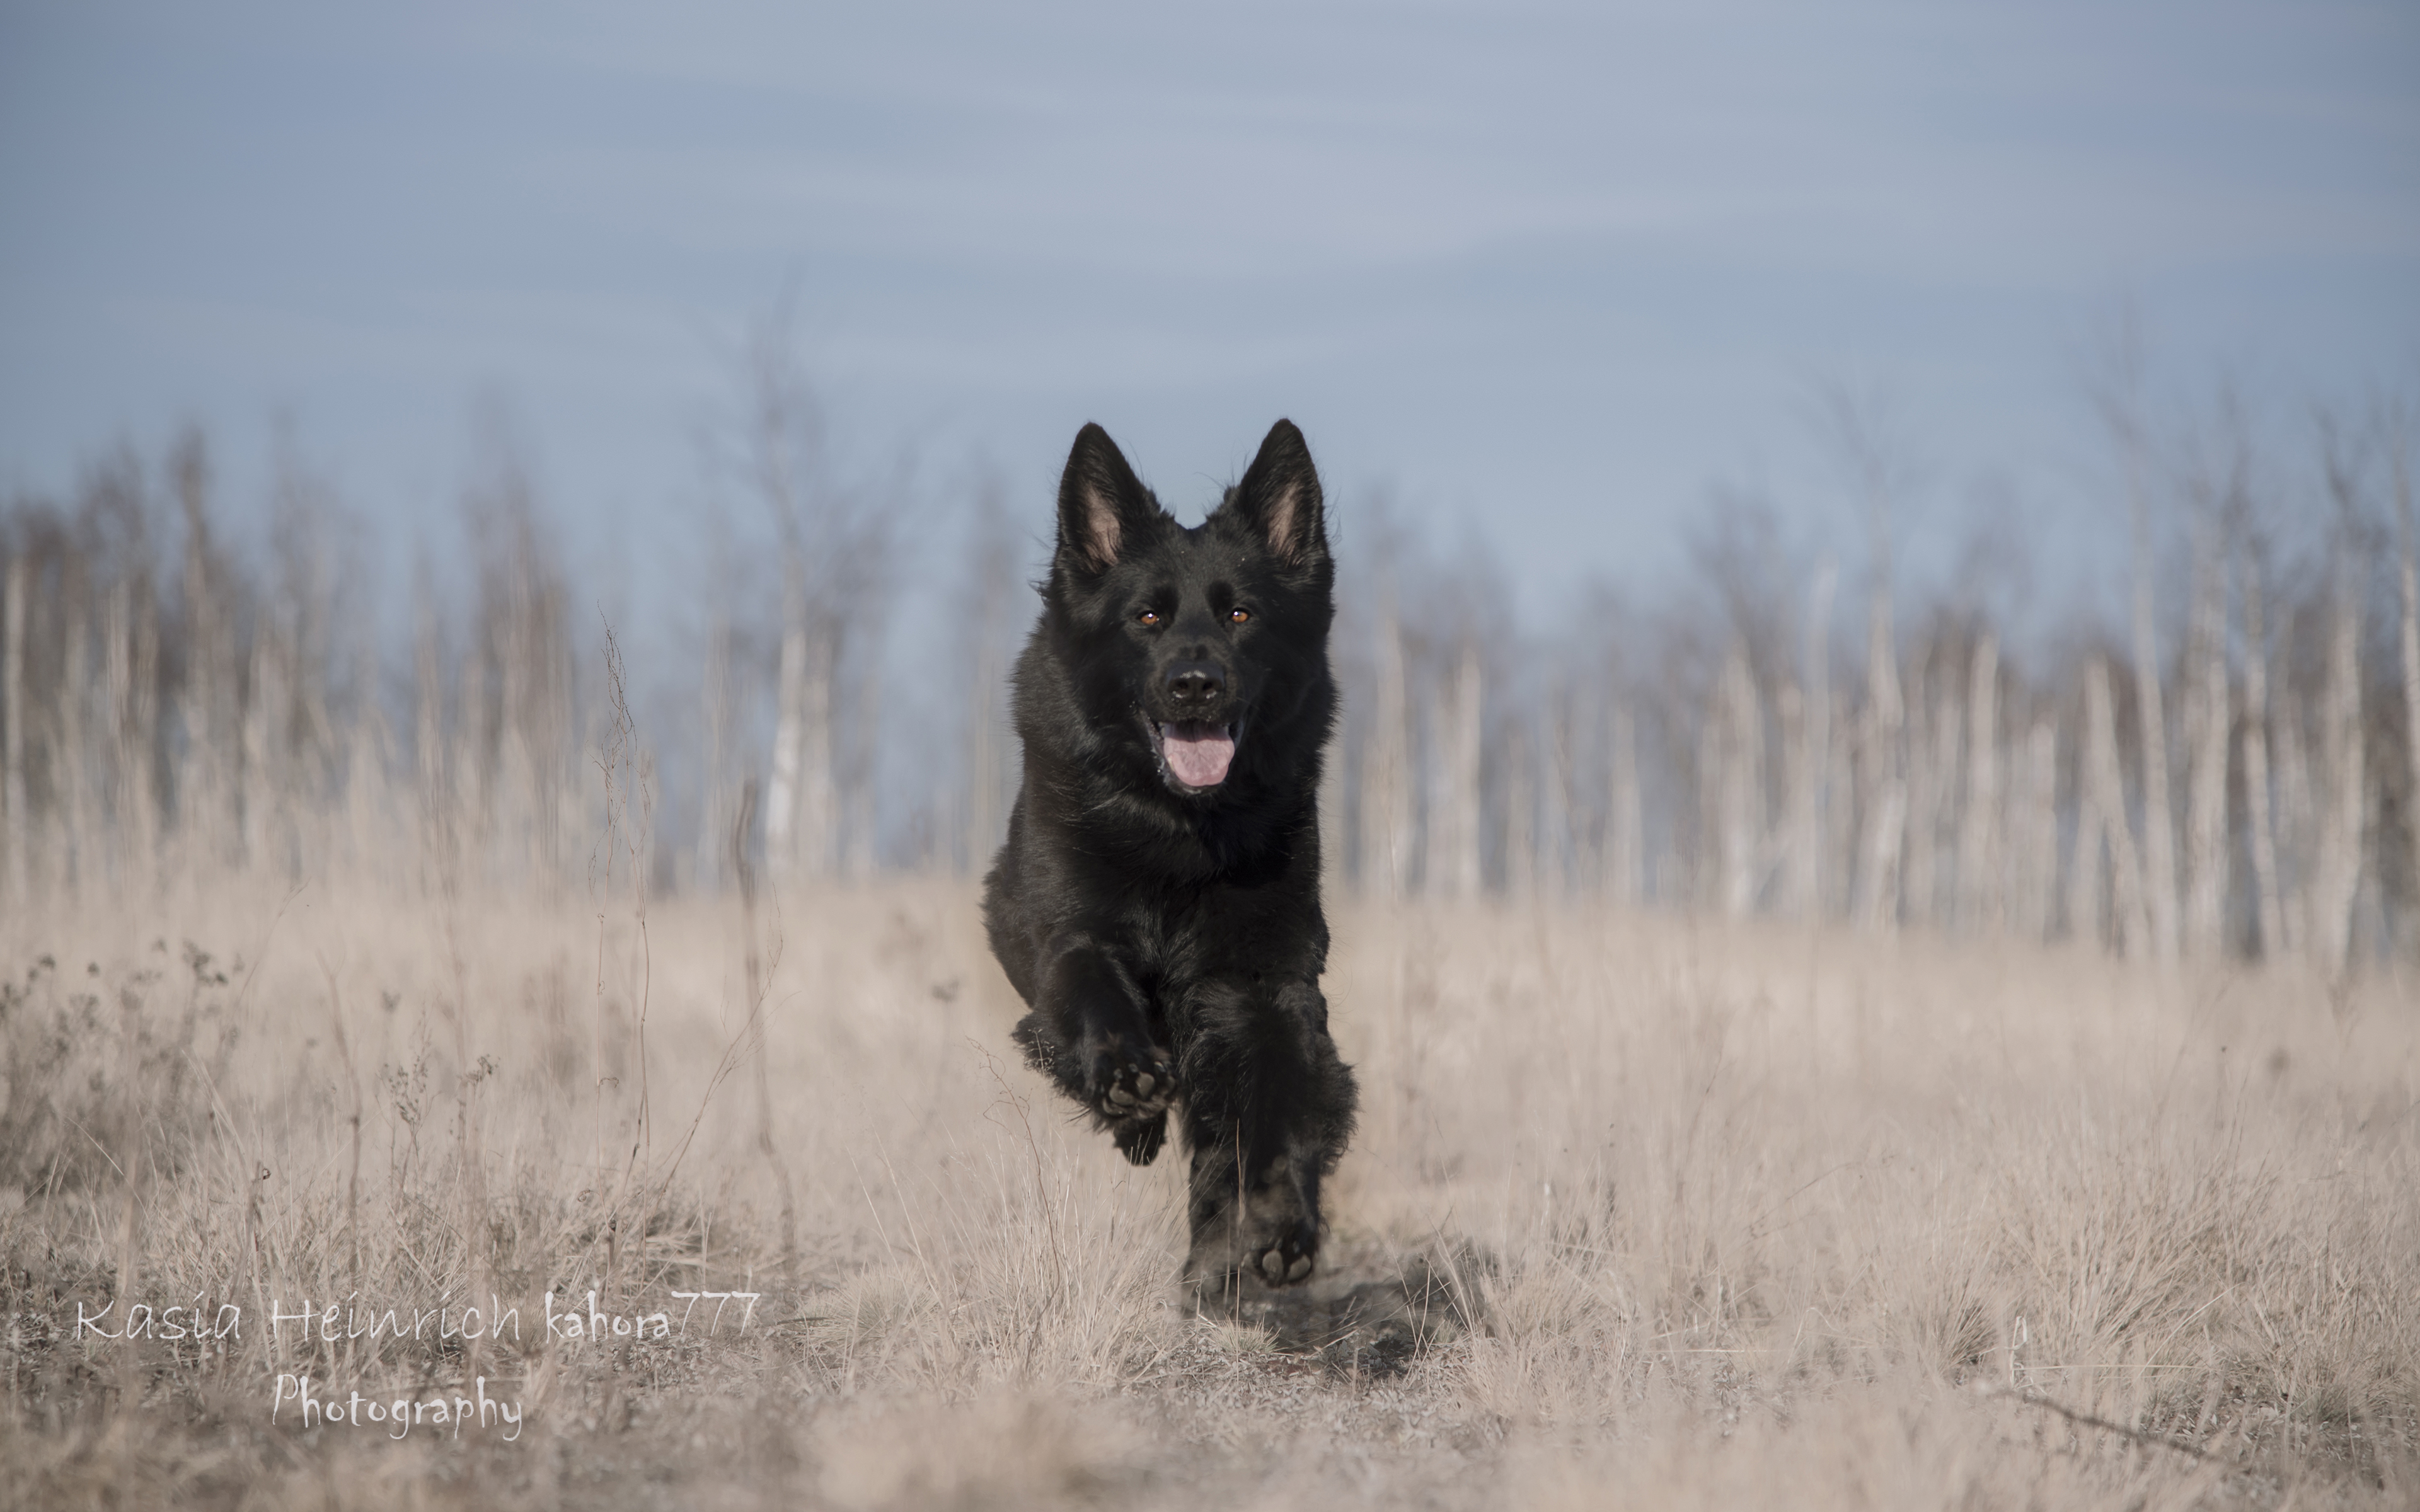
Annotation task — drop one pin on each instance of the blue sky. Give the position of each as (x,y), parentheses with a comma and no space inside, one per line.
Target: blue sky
(1547,272)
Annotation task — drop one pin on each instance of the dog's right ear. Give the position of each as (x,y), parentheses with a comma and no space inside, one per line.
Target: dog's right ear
(1101,503)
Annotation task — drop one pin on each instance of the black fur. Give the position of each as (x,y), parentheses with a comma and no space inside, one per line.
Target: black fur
(1167,938)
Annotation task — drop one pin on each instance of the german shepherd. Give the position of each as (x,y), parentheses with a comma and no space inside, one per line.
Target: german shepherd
(1156,903)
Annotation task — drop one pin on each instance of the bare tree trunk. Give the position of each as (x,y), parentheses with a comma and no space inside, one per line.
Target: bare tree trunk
(1453,833)
(1385,770)
(714,819)
(514,803)
(1798,835)
(1813,771)
(71,779)
(125,752)
(1520,819)
(436,818)
(263,777)
(2089,864)
(1884,773)
(2208,715)
(864,840)
(1980,880)
(1837,878)
(1555,827)
(2268,904)
(201,788)
(2298,820)
(782,798)
(1626,845)
(472,771)
(2033,883)
(818,813)
(1737,771)
(2336,869)
(1933,776)
(1917,878)
(2105,796)
(2159,826)
(367,816)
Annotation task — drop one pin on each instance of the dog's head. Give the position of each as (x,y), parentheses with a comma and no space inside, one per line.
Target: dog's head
(1199,652)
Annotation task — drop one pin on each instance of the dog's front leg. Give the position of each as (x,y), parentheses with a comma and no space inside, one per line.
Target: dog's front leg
(1090,1033)
(1269,1108)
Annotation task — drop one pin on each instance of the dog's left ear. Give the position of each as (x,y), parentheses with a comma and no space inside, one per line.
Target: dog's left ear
(1280,497)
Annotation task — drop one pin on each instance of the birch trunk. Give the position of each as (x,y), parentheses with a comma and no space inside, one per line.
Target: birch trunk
(125,754)
(470,771)
(366,809)
(2335,867)
(1812,775)
(1800,837)
(2105,793)
(1520,819)
(1453,834)
(783,795)
(1932,766)
(1556,793)
(201,800)
(2033,883)
(2207,719)
(1980,880)
(72,768)
(864,839)
(2267,899)
(429,753)
(1386,862)
(2297,822)
(714,797)
(1835,880)
(1737,771)
(2159,874)
(261,777)
(1883,774)
(1625,844)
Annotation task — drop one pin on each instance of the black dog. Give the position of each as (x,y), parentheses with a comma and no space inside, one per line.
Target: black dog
(1156,904)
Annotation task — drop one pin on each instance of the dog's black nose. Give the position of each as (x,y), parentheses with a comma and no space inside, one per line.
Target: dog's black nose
(1195,684)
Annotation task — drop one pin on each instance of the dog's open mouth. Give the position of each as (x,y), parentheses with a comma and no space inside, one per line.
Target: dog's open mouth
(1196,752)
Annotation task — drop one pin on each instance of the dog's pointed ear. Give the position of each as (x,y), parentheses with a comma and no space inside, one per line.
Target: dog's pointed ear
(1101,502)
(1280,497)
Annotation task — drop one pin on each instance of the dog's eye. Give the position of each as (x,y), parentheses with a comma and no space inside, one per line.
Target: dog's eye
(1239,614)
(1149,616)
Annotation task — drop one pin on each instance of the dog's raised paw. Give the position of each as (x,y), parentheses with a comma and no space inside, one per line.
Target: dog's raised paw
(1131,1087)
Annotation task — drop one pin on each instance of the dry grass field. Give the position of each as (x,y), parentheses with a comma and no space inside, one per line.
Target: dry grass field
(1643,1211)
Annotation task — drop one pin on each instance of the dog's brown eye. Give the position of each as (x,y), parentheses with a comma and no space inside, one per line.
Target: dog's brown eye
(1239,614)
(1149,616)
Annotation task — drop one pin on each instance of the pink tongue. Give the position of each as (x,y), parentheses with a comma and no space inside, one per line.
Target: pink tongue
(1198,753)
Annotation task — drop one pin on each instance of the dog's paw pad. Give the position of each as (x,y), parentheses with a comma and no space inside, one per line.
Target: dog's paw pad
(1134,1088)
(1288,1260)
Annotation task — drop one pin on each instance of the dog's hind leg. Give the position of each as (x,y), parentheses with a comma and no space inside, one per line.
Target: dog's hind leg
(1088,1032)
(1268,1110)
